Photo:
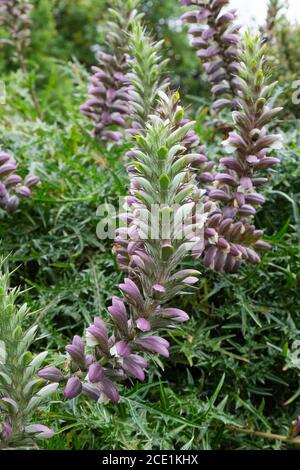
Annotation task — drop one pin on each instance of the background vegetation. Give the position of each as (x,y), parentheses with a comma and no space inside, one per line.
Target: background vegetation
(236,363)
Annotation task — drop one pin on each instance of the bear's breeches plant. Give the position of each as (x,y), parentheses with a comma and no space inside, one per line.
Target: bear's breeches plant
(172,322)
(145,308)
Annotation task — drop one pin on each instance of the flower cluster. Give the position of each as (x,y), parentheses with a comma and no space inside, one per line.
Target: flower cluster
(108,102)
(12,186)
(216,39)
(20,396)
(15,16)
(161,179)
(233,236)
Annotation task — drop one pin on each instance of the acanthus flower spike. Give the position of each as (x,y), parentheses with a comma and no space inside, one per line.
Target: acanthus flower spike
(216,39)
(144,312)
(21,394)
(108,102)
(147,80)
(235,188)
(15,17)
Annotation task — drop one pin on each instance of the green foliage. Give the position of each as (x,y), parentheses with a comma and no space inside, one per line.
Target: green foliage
(233,369)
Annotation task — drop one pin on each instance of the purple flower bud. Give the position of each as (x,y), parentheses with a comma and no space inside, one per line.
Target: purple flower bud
(184,273)
(255,198)
(226,179)
(91,390)
(76,351)
(218,195)
(117,119)
(7,431)
(136,261)
(212,51)
(220,88)
(297,426)
(73,388)
(246,182)
(240,199)
(246,210)
(76,354)
(120,349)
(158,290)
(231,38)
(223,244)
(95,373)
(97,334)
(266,163)
(209,257)
(134,366)
(78,341)
(175,314)
(226,18)
(267,141)
(114,136)
(259,181)
(154,344)
(189,17)
(234,251)
(4,157)
(190,280)
(213,66)
(40,431)
(221,103)
(8,167)
(31,181)
(12,203)
(23,191)
(119,314)
(231,164)
(108,391)
(12,180)
(205,177)
(132,291)
(252,256)
(52,374)
(220,260)
(262,245)
(236,141)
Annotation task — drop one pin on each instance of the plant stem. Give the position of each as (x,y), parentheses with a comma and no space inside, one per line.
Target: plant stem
(267,435)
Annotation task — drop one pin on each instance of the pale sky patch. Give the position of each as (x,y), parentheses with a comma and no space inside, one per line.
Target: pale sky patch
(252,12)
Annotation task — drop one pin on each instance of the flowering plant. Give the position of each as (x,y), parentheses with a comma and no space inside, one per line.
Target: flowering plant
(20,396)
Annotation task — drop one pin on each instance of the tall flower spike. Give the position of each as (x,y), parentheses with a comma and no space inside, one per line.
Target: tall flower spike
(147,81)
(20,398)
(146,75)
(12,187)
(233,236)
(169,221)
(107,105)
(215,36)
(15,16)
